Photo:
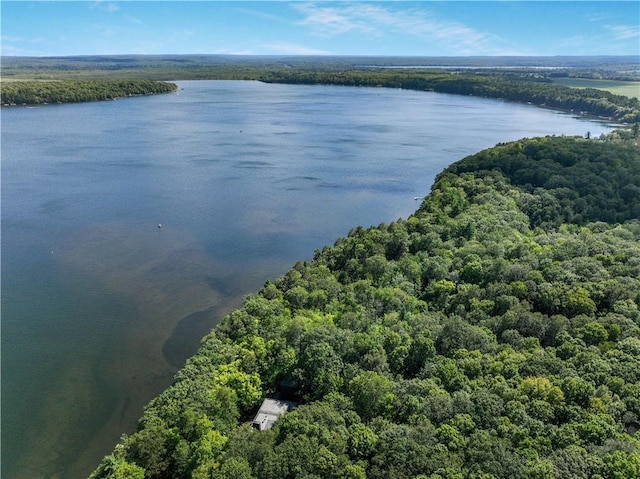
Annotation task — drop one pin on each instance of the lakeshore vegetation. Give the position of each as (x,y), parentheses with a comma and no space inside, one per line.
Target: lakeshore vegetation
(512,87)
(36,92)
(493,334)
(535,80)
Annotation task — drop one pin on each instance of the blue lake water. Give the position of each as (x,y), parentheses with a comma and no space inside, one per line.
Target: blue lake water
(100,306)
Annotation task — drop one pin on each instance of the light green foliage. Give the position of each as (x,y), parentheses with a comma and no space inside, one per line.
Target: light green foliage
(543,389)
(450,437)
(362,441)
(116,467)
(235,468)
(619,465)
(494,334)
(124,470)
(246,386)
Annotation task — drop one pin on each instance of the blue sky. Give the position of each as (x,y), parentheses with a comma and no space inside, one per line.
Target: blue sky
(429,28)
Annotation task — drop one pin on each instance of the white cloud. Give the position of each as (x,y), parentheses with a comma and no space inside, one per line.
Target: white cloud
(332,21)
(27,46)
(271,48)
(284,48)
(224,51)
(109,7)
(376,21)
(13,51)
(262,15)
(606,42)
(134,20)
(615,32)
(174,42)
(575,43)
(8,38)
(623,32)
(597,17)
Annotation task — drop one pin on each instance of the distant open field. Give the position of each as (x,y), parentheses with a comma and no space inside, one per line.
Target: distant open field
(626,88)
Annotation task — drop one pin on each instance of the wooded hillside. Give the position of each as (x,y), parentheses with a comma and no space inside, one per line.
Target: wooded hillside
(493,334)
(35,92)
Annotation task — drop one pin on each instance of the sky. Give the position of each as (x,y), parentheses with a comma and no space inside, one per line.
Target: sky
(394,28)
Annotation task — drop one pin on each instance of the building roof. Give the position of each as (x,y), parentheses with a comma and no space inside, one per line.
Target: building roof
(270,411)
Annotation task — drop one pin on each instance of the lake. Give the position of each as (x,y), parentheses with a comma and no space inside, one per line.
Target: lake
(130,227)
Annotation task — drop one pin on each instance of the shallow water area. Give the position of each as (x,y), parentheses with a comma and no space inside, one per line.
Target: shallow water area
(100,306)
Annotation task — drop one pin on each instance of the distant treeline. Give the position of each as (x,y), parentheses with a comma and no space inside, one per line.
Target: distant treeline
(191,67)
(507,86)
(34,92)
(519,79)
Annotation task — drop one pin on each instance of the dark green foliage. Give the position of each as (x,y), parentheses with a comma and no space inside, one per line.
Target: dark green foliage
(567,180)
(520,88)
(493,334)
(69,91)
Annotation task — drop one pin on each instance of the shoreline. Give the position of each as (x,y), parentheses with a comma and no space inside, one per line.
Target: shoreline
(29,93)
(356,82)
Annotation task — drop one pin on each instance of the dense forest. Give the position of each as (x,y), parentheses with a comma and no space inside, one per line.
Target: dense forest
(34,92)
(524,87)
(495,333)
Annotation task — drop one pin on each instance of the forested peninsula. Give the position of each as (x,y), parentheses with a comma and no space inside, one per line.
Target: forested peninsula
(37,92)
(495,333)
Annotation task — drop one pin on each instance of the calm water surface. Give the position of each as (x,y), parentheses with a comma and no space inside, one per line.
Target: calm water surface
(100,306)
